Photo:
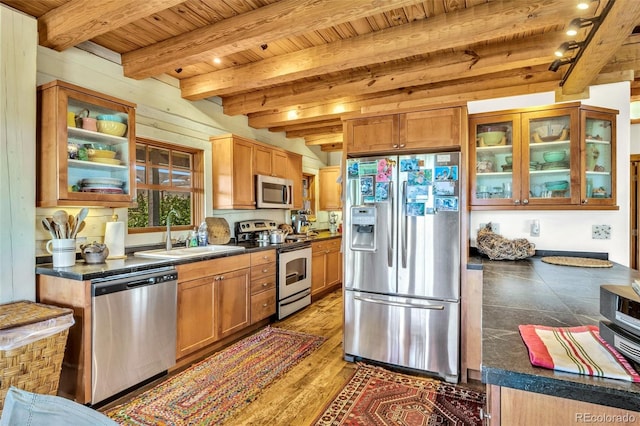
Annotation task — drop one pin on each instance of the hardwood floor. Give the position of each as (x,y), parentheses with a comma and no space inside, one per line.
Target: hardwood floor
(301,394)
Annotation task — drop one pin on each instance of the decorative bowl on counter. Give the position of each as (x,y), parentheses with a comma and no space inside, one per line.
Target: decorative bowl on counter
(557,185)
(94,252)
(553,156)
(113,128)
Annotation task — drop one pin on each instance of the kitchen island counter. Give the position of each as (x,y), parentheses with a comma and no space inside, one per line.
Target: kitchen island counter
(533,292)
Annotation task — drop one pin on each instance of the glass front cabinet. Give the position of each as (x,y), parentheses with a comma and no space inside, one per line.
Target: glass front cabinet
(85,148)
(551,157)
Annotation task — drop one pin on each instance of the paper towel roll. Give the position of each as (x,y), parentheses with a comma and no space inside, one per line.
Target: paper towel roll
(114,239)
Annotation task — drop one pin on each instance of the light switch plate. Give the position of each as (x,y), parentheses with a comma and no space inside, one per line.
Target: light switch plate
(601,232)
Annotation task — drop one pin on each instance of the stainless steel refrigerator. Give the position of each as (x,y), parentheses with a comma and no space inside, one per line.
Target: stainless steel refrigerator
(402,262)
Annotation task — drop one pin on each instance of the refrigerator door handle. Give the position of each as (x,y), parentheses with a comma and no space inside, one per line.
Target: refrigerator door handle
(392,212)
(399,304)
(403,229)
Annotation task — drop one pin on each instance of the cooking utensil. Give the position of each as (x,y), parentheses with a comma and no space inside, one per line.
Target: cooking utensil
(79,221)
(61,219)
(47,227)
(277,236)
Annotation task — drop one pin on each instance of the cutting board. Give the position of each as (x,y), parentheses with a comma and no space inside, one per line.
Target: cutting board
(218,228)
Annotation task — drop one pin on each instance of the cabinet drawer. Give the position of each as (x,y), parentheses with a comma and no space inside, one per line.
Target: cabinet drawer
(262,257)
(324,246)
(191,271)
(263,305)
(263,284)
(263,271)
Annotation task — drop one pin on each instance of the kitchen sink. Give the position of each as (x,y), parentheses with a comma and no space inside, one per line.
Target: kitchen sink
(184,252)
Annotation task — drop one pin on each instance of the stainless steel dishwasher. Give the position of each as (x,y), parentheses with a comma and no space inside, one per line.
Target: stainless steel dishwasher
(133,329)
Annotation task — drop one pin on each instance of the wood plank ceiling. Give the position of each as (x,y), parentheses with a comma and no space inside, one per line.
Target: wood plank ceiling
(298,66)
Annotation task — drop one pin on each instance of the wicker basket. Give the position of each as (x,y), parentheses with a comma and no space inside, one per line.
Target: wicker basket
(33,337)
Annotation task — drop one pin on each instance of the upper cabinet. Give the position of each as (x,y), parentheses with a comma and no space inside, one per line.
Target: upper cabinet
(437,129)
(270,161)
(85,148)
(560,156)
(235,163)
(330,189)
(233,178)
(294,172)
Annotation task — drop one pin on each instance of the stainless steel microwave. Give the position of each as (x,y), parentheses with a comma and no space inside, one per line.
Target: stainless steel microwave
(274,192)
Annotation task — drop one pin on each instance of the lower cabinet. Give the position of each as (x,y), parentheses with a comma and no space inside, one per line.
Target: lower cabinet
(213,301)
(263,285)
(326,265)
(507,406)
(471,325)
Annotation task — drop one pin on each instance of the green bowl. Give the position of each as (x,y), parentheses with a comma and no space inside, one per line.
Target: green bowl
(557,185)
(553,156)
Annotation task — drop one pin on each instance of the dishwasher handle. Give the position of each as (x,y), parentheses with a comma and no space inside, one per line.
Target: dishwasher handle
(104,288)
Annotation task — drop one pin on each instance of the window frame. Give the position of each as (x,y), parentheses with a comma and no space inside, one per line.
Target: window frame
(197,184)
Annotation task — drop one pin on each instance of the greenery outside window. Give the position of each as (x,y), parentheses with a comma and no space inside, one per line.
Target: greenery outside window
(168,177)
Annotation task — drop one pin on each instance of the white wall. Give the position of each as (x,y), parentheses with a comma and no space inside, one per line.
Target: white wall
(18,41)
(161,114)
(571,230)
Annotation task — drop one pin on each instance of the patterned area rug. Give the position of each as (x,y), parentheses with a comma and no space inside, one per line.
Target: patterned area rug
(375,396)
(211,391)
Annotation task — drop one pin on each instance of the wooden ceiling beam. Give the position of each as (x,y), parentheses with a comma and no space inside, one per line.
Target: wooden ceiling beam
(315,125)
(275,21)
(613,31)
(475,61)
(81,20)
(323,139)
(455,90)
(331,147)
(310,131)
(487,21)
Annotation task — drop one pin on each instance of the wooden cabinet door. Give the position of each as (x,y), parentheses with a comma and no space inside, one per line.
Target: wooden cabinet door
(330,190)
(232,167)
(262,163)
(243,180)
(333,274)
(372,134)
(232,301)
(279,163)
(294,172)
(318,268)
(196,327)
(433,129)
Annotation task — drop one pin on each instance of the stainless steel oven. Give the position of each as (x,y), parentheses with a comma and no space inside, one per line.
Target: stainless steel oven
(294,278)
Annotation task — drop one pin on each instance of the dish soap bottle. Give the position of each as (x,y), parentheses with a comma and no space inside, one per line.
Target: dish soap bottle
(203,234)
(193,239)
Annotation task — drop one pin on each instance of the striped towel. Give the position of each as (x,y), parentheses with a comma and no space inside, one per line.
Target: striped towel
(578,350)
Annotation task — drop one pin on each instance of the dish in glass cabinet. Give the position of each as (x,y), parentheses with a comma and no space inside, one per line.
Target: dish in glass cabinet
(102,181)
(112,161)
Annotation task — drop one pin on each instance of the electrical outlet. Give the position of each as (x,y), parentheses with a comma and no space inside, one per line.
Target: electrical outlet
(601,232)
(535,228)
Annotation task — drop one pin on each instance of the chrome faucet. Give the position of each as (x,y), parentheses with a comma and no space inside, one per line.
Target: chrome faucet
(177,215)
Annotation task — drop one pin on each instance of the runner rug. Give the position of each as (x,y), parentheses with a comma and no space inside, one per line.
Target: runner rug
(375,396)
(211,391)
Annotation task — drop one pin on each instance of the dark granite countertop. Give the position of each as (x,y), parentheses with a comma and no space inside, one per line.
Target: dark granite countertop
(533,292)
(82,271)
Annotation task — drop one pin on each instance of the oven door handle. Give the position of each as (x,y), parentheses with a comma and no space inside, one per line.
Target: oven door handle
(299,296)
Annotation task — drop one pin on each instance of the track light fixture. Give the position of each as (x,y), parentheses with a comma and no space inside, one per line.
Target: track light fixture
(566,46)
(559,62)
(576,24)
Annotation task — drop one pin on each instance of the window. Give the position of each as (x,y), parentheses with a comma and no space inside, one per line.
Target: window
(167,177)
